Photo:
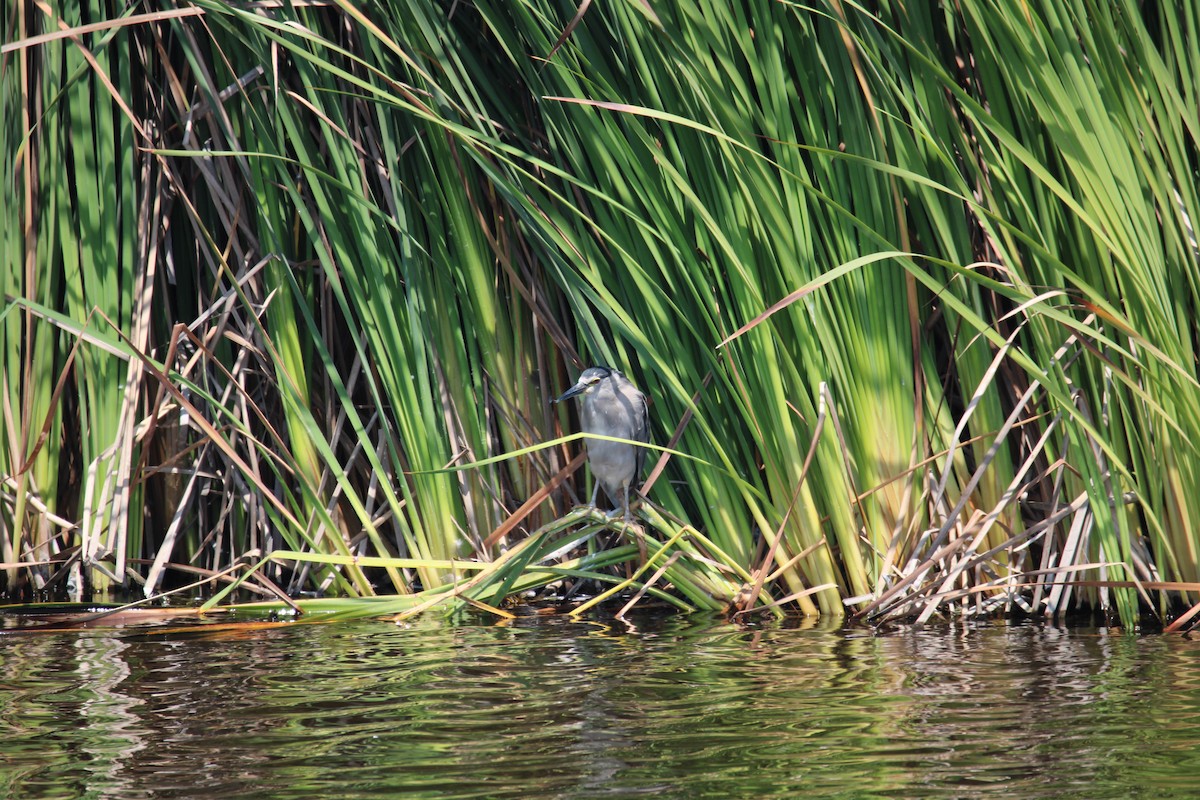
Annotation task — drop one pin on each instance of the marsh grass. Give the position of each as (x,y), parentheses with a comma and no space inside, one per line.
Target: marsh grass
(913,293)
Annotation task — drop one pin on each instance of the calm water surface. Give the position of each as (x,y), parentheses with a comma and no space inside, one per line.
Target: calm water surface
(560,709)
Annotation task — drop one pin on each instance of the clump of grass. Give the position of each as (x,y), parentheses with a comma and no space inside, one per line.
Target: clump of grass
(913,290)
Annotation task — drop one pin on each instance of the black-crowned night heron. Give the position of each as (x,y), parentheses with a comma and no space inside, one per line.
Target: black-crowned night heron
(610,405)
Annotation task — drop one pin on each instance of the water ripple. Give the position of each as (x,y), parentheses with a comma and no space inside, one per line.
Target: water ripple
(552,708)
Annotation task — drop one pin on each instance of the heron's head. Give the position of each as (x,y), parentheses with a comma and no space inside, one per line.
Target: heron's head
(588,379)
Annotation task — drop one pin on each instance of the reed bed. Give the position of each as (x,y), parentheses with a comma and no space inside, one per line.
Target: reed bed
(913,290)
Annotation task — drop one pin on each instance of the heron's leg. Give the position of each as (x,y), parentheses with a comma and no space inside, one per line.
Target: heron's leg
(637,529)
(595,494)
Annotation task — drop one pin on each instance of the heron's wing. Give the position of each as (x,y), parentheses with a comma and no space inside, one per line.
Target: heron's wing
(641,432)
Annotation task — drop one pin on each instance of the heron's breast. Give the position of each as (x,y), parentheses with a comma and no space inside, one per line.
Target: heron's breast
(612,460)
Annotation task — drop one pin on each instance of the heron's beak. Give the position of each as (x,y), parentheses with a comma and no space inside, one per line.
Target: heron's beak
(569,393)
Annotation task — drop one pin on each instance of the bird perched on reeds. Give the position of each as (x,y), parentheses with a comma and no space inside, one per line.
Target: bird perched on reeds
(609,405)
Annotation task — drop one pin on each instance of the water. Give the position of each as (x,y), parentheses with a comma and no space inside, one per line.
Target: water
(559,709)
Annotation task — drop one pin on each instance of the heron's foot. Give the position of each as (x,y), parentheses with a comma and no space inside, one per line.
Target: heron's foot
(623,518)
(589,513)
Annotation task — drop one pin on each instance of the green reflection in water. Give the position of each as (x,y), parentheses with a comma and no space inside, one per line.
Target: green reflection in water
(554,708)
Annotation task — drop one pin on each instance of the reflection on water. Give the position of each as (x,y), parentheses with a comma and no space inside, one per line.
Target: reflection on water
(553,708)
